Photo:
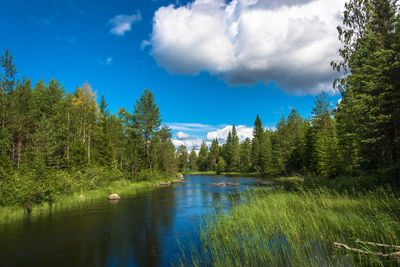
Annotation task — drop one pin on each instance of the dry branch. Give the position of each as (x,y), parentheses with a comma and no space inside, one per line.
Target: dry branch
(395,255)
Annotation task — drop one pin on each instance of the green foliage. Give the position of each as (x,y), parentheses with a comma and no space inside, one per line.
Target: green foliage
(193,160)
(221,166)
(369,114)
(202,159)
(78,154)
(245,156)
(183,158)
(214,154)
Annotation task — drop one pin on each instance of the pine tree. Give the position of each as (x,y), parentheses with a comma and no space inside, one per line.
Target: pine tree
(202,159)
(7,83)
(166,152)
(192,160)
(235,158)
(86,112)
(325,137)
(257,142)
(22,118)
(245,155)
(105,147)
(214,153)
(221,165)
(369,114)
(146,121)
(183,158)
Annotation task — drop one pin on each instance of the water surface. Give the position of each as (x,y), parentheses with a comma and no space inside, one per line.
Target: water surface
(151,229)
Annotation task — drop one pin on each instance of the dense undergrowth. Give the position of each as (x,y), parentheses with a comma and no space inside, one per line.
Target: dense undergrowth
(34,192)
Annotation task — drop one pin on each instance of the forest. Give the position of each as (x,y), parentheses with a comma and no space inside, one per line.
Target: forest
(53,142)
(316,190)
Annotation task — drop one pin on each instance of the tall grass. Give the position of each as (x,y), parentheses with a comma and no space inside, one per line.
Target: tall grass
(276,228)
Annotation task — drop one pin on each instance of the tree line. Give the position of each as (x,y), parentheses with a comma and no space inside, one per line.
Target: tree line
(360,136)
(55,142)
(296,146)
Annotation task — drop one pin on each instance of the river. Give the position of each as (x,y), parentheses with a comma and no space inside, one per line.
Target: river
(150,229)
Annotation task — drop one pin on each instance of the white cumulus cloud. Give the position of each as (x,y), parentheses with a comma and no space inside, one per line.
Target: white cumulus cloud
(182,135)
(123,23)
(243,132)
(288,42)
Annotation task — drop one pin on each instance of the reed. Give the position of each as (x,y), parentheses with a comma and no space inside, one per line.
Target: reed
(277,228)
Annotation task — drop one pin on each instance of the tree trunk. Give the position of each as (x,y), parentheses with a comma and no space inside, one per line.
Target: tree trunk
(19,148)
(67,146)
(88,146)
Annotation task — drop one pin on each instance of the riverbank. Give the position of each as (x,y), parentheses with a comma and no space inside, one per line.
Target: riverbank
(245,174)
(278,228)
(124,187)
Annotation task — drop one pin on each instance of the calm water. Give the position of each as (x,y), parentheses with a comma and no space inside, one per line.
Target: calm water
(151,229)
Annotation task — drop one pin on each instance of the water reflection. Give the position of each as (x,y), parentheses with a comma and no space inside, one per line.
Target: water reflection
(151,229)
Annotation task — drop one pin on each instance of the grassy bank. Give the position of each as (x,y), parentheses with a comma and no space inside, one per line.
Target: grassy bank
(250,174)
(122,187)
(300,228)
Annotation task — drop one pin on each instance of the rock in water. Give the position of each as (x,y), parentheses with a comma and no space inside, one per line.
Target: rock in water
(113,197)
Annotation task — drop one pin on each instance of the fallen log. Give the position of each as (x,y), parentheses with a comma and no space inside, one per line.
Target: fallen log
(395,255)
(378,244)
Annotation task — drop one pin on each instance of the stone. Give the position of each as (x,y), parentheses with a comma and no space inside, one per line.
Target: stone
(113,197)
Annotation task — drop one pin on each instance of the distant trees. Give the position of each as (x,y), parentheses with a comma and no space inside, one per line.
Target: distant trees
(362,134)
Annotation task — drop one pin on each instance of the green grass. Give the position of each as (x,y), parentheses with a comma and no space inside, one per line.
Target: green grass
(293,179)
(252,174)
(123,188)
(200,172)
(276,228)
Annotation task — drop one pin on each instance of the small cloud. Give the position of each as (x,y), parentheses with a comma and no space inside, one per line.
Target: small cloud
(192,127)
(339,100)
(182,135)
(109,61)
(123,23)
(243,132)
(68,39)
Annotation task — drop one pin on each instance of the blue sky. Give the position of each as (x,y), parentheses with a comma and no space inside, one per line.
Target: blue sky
(208,63)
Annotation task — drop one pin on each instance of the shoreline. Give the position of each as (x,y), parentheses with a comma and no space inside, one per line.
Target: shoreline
(125,187)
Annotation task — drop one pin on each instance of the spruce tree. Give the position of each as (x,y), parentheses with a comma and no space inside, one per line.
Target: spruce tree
(183,158)
(192,159)
(7,83)
(202,159)
(214,153)
(257,142)
(235,150)
(146,121)
(369,114)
